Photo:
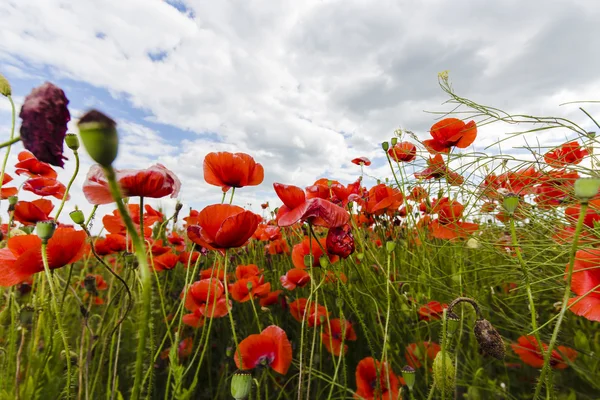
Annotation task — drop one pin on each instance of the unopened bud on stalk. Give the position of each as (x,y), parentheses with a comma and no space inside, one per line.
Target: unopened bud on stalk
(77,217)
(443,373)
(241,385)
(385,146)
(490,341)
(12,200)
(5,89)
(72,141)
(408,374)
(89,282)
(99,135)
(586,188)
(510,203)
(324,261)
(390,246)
(45,230)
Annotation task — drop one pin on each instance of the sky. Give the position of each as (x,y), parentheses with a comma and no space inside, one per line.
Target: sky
(302,86)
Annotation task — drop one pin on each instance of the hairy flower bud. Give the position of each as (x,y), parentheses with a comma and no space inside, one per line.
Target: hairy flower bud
(5,89)
(443,373)
(490,341)
(340,241)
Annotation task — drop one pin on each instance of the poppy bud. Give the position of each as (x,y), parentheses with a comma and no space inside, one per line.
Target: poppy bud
(586,188)
(490,341)
(324,261)
(408,374)
(390,246)
(178,206)
(5,89)
(229,351)
(26,316)
(45,230)
(72,141)
(360,256)
(591,135)
(241,385)
(510,203)
(12,200)
(394,141)
(99,135)
(340,241)
(453,321)
(89,282)
(77,217)
(339,302)
(443,372)
(385,146)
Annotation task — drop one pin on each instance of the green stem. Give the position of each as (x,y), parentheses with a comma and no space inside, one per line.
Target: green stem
(58,316)
(565,301)
(64,199)
(235,340)
(232,193)
(9,142)
(146,279)
(142,217)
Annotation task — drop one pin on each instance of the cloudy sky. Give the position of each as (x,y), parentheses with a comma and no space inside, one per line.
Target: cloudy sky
(303,86)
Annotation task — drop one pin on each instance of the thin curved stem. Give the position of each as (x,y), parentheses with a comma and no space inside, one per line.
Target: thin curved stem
(64,199)
(12,140)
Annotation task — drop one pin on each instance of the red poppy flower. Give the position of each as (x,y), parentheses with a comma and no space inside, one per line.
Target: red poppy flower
(114,223)
(278,246)
(382,198)
(372,379)
(229,170)
(313,313)
(270,298)
(488,207)
(436,168)
(23,256)
(192,219)
(568,153)
(113,243)
(223,226)
(431,310)
(184,350)
(184,258)
(403,152)
(340,241)
(46,187)
(246,289)
(450,132)
(295,277)
(521,182)
(296,207)
(322,189)
(31,212)
(303,249)
(528,350)
(155,182)
(266,232)
(6,192)
(418,193)
(335,333)
(29,165)
(361,161)
(416,353)
(177,241)
(270,348)
(555,188)
(346,194)
(247,271)
(206,298)
(165,261)
(448,224)
(586,277)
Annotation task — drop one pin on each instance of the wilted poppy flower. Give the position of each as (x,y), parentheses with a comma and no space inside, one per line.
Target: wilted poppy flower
(23,255)
(431,310)
(31,212)
(568,153)
(417,353)
(223,226)
(450,132)
(382,198)
(303,249)
(270,348)
(264,206)
(340,241)
(296,207)
(528,349)
(335,333)
(361,161)
(45,116)
(295,277)
(372,379)
(46,187)
(155,182)
(6,192)
(403,152)
(312,312)
(29,165)
(586,277)
(229,170)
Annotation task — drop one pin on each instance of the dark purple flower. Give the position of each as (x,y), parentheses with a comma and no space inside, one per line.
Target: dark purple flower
(45,116)
(340,241)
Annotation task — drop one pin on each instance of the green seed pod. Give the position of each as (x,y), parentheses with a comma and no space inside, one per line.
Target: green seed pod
(390,246)
(586,188)
(510,203)
(324,261)
(394,141)
(99,136)
(443,373)
(45,230)
(385,146)
(408,374)
(5,89)
(490,341)
(12,200)
(241,385)
(77,217)
(72,141)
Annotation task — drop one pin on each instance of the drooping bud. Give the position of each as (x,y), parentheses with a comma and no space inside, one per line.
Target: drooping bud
(510,203)
(490,341)
(72,141)
(77,217)
(45,230)
(99,135)
(5,89)
(586,188)
(452,321)
(408,374)
(443,373)
(340,241)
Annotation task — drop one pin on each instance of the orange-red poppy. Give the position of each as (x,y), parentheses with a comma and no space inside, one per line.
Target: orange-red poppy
(246,289)
(335,333)
(184,258)
(303,249)
(450,132)
(555,188)
(294,278)
(584,283)
(155,182)
(372,379)
(521,182)
(29,165)
(417,353)
(403,152)
(436,169)
(113,243)
(346,194)
(165,261)
(229,170)
(223,226)
(382,198)
(266,232)
(361,161)
(31,212)
(322,189)
(184,350)
(448,224)
(114,223)
(340,241)
(270,298)
(206,299)
(23,256)
(418,193)
(568,153)
(177,241)
(296,207)
(270,348)
(45,187)
(278,246)
(6,192)
(312,312)
(432,310)
(528,349)
(247,271)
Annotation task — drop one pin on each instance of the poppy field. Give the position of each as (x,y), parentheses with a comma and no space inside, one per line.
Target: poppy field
(476,276)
